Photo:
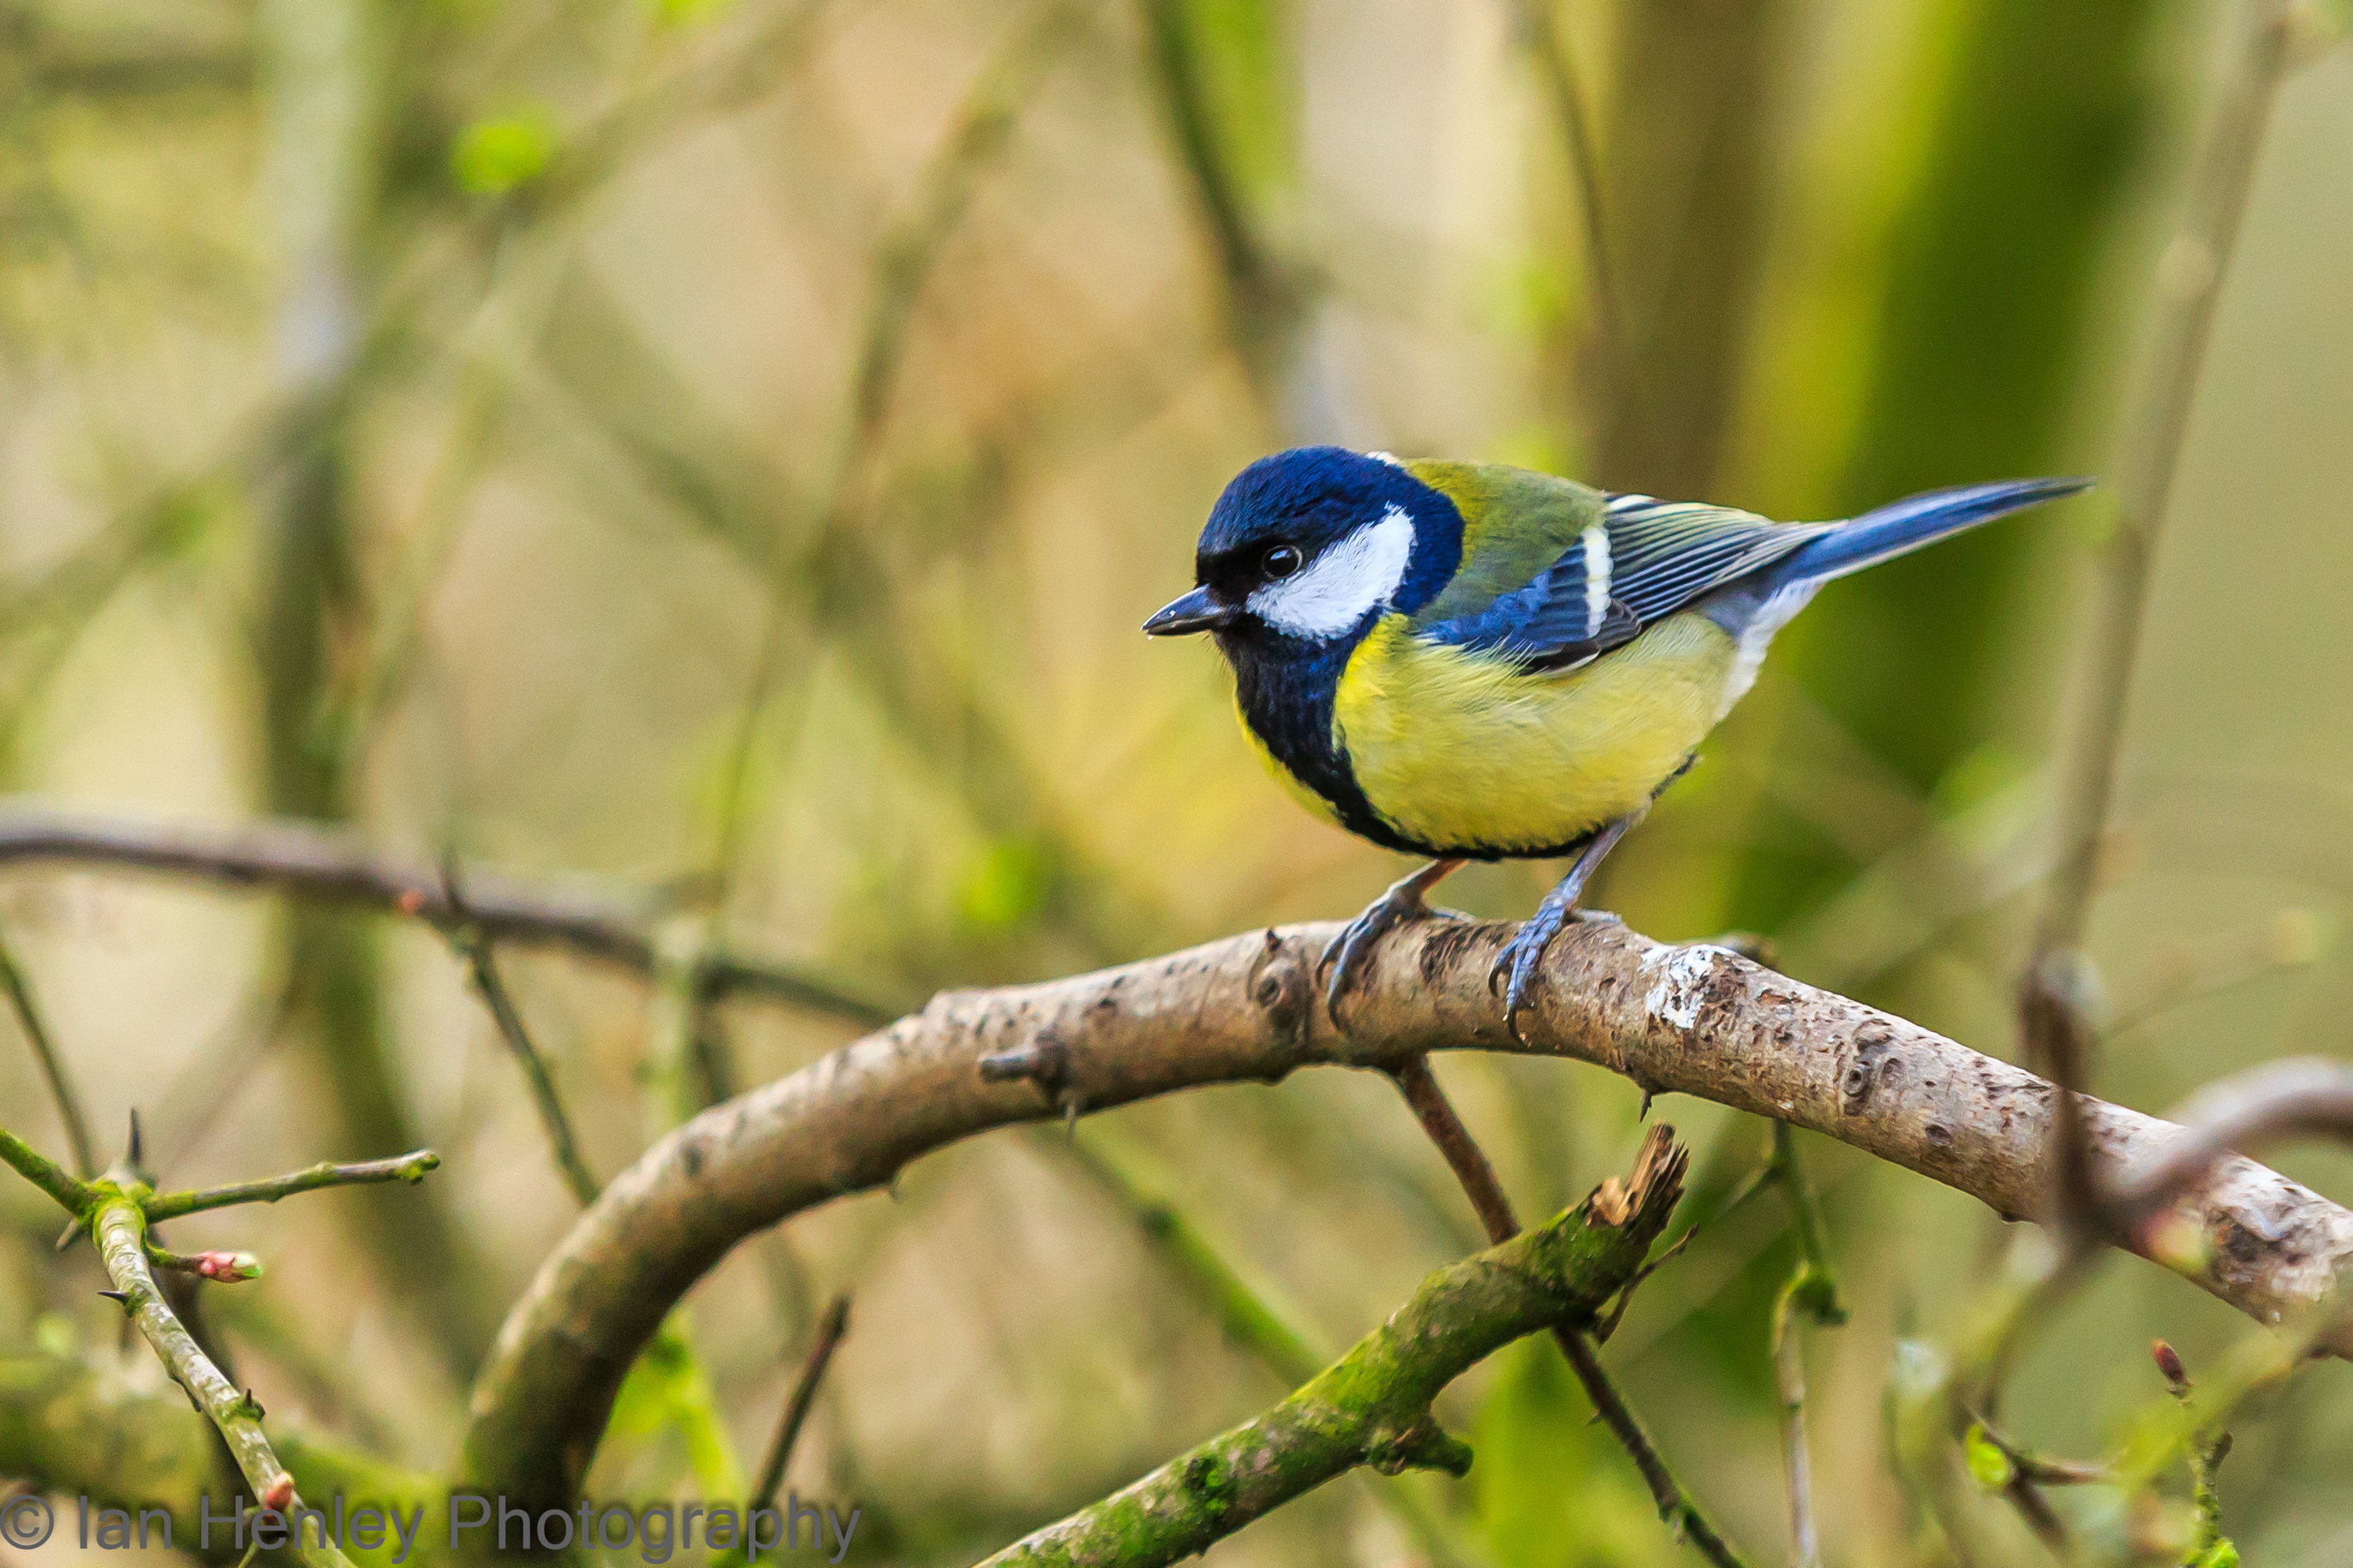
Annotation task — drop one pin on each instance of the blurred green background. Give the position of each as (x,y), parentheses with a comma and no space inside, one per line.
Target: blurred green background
(725,448)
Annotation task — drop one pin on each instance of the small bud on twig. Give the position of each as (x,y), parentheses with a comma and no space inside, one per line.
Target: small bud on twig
(2169,1361)
(221,1267)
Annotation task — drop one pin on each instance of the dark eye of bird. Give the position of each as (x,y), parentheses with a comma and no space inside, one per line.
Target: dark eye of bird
(1281,561)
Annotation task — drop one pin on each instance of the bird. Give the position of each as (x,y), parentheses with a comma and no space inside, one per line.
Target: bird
(1470,662)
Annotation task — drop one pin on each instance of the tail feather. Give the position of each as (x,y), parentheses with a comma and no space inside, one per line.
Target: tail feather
(1905,525)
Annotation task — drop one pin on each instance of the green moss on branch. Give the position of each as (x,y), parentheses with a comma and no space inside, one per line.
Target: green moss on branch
(1373,1405)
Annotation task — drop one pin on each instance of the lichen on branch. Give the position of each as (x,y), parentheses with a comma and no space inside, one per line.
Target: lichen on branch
(1372,1408)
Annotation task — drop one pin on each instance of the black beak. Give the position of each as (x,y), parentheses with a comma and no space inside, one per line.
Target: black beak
(1196,612)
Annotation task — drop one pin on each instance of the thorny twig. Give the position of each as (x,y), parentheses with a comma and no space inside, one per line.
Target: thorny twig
(409,1168)
(119,1211)
(119,1230)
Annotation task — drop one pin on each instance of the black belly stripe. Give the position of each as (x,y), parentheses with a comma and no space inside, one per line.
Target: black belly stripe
(1287,704)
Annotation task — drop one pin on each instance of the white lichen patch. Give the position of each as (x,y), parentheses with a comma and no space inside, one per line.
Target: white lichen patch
(1679,983)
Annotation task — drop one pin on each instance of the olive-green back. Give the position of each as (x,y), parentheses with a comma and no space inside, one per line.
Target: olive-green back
(1515,522)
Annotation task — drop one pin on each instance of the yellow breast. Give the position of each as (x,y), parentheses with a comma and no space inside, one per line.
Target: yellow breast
(1461,751)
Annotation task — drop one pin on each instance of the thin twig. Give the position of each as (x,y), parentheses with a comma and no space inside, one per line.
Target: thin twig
(1675,1505)
(2055,1024)
(833,561)
(303,862)
(2054,1017)
(1813,1289)
(1246,1316)
(1472,1168)
(1815,1283)
(2041,1469)
(74,1197)
(1463,1156)
(409,1168)
(1541,28)
(53,1067)
(2190,286)
(1266,297)
(981,129)
(465,936)
(2297,1097)
(830,1331)
(1789,1371)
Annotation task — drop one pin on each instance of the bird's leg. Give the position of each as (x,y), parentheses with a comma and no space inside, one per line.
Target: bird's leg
(1519,955)
(1401,905)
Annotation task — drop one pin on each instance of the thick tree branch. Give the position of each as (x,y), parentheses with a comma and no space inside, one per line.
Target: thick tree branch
(1697,1020)
(307,862)
(1372,1406)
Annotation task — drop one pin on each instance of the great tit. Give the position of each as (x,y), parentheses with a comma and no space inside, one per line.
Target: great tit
(1474,662)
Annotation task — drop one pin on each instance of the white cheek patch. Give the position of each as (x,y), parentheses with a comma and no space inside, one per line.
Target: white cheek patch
(1350,578)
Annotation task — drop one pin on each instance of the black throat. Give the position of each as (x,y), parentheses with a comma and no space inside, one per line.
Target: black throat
(1286,697)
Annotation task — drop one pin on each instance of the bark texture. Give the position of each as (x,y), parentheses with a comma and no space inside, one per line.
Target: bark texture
(1694,1020)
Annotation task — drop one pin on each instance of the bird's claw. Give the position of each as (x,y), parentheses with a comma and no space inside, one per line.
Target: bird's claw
(1346,952)
(1518,958)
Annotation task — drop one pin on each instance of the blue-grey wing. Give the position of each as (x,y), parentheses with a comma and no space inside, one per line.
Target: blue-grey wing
(1642,561)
